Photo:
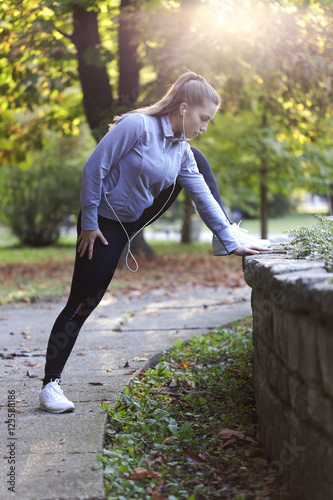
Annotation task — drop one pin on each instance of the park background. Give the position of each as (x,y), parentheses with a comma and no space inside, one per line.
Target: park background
(69,67)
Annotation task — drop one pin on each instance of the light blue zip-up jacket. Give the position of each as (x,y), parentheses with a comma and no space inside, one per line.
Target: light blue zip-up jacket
(133,163)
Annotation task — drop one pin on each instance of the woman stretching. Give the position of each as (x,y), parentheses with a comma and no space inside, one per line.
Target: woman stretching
(133,175)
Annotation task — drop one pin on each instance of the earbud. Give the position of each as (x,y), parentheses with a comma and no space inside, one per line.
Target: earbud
(183,113)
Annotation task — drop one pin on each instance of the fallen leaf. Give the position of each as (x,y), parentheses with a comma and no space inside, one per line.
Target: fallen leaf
(194,456)
(80,354)
(96,383)
(126,365)
(30,375)
(184,364)
(18,411)
(229,433)
(169,439)
(136,358)
(143,473)
(161,459)
(62,440)
(47,470)
(226,443)
(129,372)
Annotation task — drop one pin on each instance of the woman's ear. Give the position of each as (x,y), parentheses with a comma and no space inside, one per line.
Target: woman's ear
(182,108)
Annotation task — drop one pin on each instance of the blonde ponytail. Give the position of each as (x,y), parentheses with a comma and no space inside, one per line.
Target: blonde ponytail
(190,88)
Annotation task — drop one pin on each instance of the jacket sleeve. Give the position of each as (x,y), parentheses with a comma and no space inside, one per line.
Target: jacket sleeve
(209,210)
(115,145)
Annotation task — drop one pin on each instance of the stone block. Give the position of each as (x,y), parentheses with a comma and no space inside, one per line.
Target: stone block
(298,397)
(278,329)
(310,475)
(283,382)
(291,341)
(325,350)
(262,308)
(272,369)
(274,421)
(322,300)
(320,410)
(308,361)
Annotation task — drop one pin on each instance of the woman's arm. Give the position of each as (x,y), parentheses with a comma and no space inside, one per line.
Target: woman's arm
(114,146)
(209,210)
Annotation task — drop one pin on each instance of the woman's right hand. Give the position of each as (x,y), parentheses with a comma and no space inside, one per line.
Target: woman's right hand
(86,240)
(252,250)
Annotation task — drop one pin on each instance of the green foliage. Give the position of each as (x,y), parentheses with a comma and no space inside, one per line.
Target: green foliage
(314,243)
(163,433)
(235,145)
(270,60)
(40,193)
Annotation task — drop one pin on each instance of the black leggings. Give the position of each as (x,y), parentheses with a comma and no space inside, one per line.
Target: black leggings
(92,277)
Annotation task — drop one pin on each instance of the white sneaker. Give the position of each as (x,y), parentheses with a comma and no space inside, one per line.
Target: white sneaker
(52,399)
(243,238)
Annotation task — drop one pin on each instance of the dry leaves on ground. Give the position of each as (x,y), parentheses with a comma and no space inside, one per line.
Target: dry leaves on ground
(165,271)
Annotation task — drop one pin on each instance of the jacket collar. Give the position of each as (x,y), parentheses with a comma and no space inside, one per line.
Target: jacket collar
(166,127)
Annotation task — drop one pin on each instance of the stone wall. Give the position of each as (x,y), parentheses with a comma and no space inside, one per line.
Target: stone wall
(292,303)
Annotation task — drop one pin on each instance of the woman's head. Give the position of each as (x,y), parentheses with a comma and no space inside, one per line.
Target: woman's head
(191,89)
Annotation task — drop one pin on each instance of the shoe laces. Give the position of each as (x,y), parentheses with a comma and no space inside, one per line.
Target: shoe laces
(238,228)
(56,387)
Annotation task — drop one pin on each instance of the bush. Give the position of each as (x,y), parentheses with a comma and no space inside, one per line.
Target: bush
(39,194)
(314,243)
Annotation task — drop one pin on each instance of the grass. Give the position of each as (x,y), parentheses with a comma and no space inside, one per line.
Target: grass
(188,428)
(30,274)
(280,224)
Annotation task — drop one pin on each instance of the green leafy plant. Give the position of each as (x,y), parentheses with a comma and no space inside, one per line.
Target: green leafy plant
(313,243)
(39,193)
(188,428)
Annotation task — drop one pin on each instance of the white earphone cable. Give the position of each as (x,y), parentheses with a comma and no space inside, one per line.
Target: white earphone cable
(129,252)
(130,238)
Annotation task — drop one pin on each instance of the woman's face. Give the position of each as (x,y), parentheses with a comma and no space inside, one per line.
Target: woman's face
(196,119)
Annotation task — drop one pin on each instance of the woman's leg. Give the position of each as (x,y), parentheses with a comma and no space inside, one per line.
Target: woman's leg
(166,198)
(90,281)
(207,173)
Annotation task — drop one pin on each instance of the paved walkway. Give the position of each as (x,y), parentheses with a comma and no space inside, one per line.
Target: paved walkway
(49,457)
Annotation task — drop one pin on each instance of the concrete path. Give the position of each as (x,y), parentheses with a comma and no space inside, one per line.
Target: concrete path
(55,457)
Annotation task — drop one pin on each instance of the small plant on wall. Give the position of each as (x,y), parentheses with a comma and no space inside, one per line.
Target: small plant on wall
(314,243)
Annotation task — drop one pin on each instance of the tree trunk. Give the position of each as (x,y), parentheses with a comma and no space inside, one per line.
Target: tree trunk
(263,201)
(97,93)
(129,62)
(128,83)
(263,185)
(330,202)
